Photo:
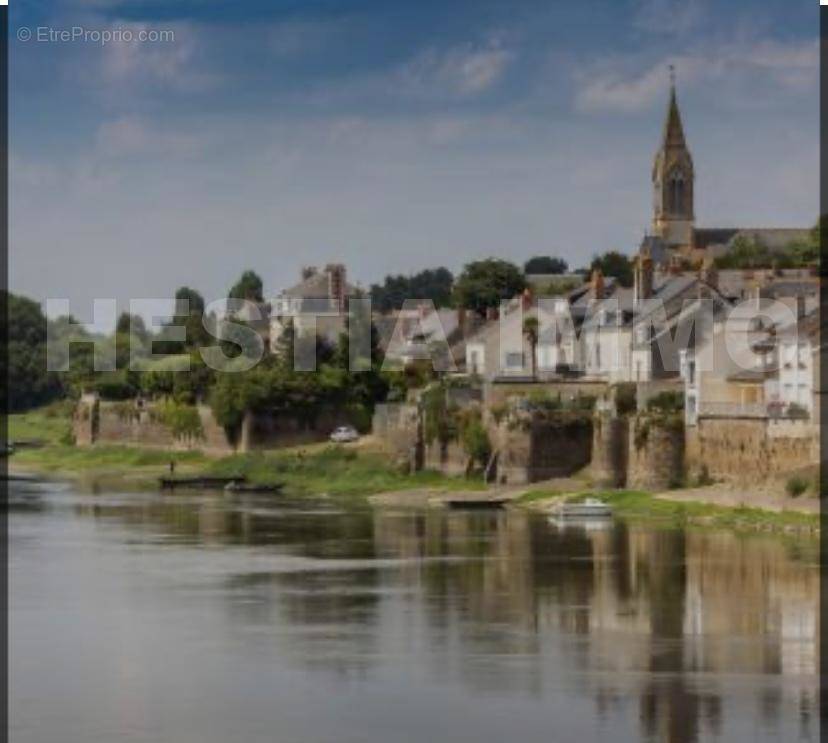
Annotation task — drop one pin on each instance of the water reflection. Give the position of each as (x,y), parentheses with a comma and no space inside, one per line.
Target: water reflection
(670,635)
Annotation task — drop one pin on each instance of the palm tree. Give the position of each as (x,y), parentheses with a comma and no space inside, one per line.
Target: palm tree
(530,332)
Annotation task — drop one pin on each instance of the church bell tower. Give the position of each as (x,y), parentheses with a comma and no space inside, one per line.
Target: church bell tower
(673,180)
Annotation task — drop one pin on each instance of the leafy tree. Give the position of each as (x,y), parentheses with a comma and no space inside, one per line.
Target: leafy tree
(432,284)
(615,264)
(249,287)
(189,313)
(486,283)
(24,367)
(746,253)
(131,325)
(544,264)
(475,439)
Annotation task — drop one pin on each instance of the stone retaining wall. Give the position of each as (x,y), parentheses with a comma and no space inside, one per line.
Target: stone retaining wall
(752,450)
(655,454)
(610,450)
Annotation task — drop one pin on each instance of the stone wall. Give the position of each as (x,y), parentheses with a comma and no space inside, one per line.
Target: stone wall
(261,431)
(449,457)
(751,450)
(397,427)
(134,424)
(610,450)
(496,393)
(655,454)
(538,449)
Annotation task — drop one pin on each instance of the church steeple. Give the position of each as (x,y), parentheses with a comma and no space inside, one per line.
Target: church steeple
(673,130)
(673,179)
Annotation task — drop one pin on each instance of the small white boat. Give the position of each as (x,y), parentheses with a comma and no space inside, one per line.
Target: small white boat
(587,509)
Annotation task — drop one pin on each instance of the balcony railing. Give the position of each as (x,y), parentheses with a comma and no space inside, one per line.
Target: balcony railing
(733,410)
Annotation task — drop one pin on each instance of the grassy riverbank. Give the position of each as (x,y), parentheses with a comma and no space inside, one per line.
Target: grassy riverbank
(51,450)
(636,506)
(319,468)
(352,471)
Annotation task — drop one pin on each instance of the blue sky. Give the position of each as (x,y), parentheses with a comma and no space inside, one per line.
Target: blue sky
(388,135)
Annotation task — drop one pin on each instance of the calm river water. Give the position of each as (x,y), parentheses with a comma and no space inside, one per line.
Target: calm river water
(210,619)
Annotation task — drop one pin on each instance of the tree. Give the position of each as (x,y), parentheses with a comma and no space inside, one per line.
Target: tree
(432,284)
(484,284)
(615,264)
(530,332)
(745,253)
(248,287)
(544,264)
(131,325)
(24,369)
(188,301)
(189,313)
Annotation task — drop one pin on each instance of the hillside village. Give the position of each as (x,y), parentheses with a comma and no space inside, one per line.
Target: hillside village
(639,383)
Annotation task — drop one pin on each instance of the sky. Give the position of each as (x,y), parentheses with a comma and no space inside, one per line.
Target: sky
(388,135)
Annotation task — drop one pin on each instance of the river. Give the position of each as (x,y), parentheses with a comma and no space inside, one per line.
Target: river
(206,618)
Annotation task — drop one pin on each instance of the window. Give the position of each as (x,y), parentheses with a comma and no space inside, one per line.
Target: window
(514,360)
(474,362)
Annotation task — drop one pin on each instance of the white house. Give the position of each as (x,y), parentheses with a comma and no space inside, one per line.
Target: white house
(318,305)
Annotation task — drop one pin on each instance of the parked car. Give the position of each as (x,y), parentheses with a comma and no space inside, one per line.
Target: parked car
(343,434)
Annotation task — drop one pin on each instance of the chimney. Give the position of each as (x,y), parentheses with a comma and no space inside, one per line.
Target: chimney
(307,272)
(597,285)
(709,274)
(461,320)
(526,299)
(336,285)
(643,276)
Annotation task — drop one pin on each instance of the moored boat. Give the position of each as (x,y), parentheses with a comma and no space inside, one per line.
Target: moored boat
(590,508)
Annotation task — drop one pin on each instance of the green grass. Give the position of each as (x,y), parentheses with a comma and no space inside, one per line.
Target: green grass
(314,469)
(332,469)
(536,496)
(50,425)
(636,506)
(64,458)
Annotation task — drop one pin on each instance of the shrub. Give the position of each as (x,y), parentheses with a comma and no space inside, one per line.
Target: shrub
(474,437)
(625,398)
(182,420)
(796,486)
(114,386)
(669,401)
(703,477)
(797,411)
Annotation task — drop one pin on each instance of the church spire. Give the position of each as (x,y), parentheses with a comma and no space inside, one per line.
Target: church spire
(673,178)
(673,135)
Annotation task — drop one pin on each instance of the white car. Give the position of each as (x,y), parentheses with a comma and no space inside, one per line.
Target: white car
(343,434)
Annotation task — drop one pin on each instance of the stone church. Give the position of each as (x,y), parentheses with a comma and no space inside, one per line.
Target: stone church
(675,241)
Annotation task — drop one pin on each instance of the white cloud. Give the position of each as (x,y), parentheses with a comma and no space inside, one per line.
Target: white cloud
(130,135)
(754,66)
(669,16)
(170,63)
(467,70)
